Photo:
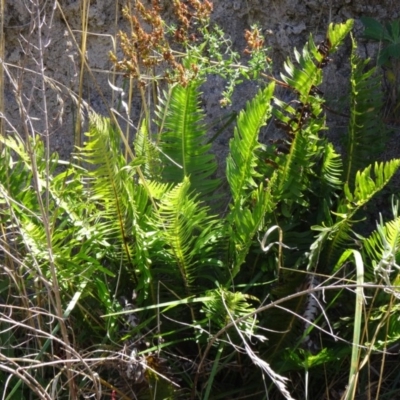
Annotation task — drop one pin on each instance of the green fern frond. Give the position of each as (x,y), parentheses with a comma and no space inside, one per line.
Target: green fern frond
(301,120)
(332,167)
(383,239)
(72,235)
(295,175)
(307,74)
(365,138)
(382,247)
(366,186)
(225,306)
(183,225)
(147,150)
(338,32)
(16,176)
(182,139)
(106,179)
(121,202)
(158,189)
(325,185)
(242,161)
(368,183)
(250,200)
(247,222)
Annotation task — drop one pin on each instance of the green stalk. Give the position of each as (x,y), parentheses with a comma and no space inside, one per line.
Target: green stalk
(355,353)
(213,372)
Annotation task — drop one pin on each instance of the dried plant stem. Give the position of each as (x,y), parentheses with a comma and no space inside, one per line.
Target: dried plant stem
(2,10)
(85,21)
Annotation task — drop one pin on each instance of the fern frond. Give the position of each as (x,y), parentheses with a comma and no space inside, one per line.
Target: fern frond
(368,183)
(337,33)
(386,237)
(242,161)
(184,226)
(332,167)
(16,174)
(365,138)
(182,139)
(324,185)
(223,306)
(366,186)
(147,150)
(301,119)
(106,182)
(250,199)
(382,247)
(307,74)
(158,189)
(73,236)
(120,201)
(295,175)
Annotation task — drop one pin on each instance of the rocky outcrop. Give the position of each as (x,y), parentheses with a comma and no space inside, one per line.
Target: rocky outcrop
(286,24)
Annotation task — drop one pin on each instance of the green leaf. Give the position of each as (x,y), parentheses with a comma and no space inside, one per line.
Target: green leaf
(242,160)
(184,233)
(367,184)
(332,167)
(374,29)
(146,150)
(242,174)
(366,134)
(373,179)
(337,33)
(183,139)
(392,50)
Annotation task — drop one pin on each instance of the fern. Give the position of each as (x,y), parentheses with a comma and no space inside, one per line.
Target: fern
(332,168)
(186,232)
(302,121)
(365,138)
(242,161)
(241,173)
(16,177)
(121,202)
(370,181)
(145,224)
(146,150)
(224,306)
(382,247)
(296,172)
(307,74)
(72,236)
(338,32)
(366,186)
(182,138)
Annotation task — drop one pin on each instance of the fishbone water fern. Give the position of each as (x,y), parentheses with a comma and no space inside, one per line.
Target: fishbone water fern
(241,173)
(302,119)
(366,134)
(140,220)
(181,138)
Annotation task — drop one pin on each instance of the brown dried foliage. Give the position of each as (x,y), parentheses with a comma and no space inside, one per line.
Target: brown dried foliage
(254,40)
(149,46)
